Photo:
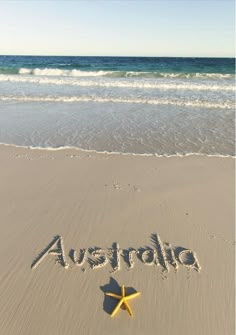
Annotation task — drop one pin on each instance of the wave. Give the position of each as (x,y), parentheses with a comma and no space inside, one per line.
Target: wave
(91,151)
(109,73)
(119,83)
(147,74)
(63,73)
(98,99)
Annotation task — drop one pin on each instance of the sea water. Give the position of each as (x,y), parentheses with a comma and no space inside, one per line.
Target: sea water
(141,105)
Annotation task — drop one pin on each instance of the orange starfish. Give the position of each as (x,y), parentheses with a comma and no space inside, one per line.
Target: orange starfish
(123,300)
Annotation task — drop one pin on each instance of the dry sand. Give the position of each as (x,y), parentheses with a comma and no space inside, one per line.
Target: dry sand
(96,200)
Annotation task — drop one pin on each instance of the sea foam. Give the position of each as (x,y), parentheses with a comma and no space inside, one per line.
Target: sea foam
(145,74)
(63,73)
(119,83)
(143,100)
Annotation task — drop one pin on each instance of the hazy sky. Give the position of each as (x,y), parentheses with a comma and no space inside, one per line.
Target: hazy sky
(122,28)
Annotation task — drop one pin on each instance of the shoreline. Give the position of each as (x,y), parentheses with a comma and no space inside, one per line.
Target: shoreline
(93,151)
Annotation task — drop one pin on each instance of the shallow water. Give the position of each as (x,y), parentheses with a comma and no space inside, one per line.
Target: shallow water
(115,105)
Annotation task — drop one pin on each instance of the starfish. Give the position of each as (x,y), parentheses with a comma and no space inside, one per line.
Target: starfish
(123,300)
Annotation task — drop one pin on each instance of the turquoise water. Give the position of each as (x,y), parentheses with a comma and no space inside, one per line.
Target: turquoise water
(140,105)
(153,65)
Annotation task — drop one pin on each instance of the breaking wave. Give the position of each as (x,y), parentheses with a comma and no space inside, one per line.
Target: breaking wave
(160,101)
(113,74)
(119,83)
(79,73)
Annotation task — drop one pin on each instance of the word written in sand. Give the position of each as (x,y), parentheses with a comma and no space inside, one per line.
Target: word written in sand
(161,254)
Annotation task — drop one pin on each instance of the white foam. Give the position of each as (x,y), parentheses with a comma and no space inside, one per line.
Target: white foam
(61,148)
(118,83)
(99,99)
(64,73)
(24,71)
(150,74)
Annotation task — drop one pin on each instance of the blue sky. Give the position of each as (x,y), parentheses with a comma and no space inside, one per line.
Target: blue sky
(118,28)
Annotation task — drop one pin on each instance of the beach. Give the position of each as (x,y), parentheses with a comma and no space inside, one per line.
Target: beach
(161,226)
(117,167)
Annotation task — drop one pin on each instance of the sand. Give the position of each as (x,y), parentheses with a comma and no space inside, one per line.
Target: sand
(160,226)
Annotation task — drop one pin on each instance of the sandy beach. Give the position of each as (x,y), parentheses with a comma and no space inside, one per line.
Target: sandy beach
(117,167)
(160,226)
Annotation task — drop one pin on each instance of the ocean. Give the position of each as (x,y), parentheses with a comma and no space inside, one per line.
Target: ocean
(139,105)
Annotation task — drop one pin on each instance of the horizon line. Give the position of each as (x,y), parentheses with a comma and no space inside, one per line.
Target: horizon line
(123,56)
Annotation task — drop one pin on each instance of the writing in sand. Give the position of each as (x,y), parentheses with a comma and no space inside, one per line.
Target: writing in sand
(161,254)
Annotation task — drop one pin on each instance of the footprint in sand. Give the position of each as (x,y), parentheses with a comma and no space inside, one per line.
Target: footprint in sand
(128,187)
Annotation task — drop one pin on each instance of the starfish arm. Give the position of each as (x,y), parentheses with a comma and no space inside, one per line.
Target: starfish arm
(117,308)
(114,295)
(128,308)
(133,295)
(123,290)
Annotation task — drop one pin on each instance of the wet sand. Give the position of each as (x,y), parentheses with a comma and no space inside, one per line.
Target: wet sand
(160,226)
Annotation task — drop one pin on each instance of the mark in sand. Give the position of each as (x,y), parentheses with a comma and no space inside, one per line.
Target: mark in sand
(160,254)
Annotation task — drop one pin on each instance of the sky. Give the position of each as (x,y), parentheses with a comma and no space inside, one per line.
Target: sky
(194,28)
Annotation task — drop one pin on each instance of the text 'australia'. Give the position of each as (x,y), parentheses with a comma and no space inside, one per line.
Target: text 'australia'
(160,253)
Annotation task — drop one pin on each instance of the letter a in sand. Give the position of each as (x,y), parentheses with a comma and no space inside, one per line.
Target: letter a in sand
(59,252)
